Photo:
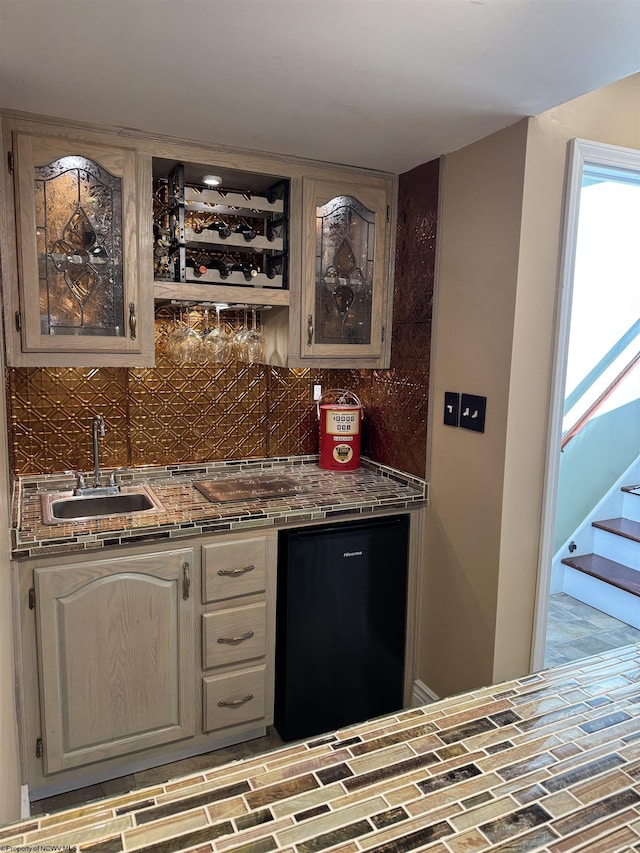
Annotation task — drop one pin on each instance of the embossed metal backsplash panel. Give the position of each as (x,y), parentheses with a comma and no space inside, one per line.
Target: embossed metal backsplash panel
(161,415)
(194,413)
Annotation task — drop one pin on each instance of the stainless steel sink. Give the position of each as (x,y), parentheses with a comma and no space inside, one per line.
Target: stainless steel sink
(58,507)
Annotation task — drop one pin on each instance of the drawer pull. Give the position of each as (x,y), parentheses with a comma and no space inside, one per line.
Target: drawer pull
(234,640)
(233,703)
(235,572)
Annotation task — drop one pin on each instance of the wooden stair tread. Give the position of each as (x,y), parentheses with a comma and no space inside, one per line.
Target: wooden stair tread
(621,526)
(606,570)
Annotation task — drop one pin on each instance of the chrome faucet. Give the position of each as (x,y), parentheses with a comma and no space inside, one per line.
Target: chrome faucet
(81,489)
(98,429)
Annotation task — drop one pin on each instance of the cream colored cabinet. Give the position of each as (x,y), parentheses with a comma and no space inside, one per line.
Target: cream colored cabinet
(91,241)
(78,269)
(132,661)
(346,298)
(238,643)
(115,656)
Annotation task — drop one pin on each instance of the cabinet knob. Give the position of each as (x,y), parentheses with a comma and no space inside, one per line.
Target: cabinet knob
(309,329)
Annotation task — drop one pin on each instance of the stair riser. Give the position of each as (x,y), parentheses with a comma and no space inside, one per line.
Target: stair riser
(618,548)
(604,597)
(631,506)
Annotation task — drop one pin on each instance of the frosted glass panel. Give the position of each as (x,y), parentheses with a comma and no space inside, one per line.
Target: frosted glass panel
(345,245)
(79,244)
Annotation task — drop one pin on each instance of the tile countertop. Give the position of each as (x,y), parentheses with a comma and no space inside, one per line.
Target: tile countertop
(549,762)
(320,494)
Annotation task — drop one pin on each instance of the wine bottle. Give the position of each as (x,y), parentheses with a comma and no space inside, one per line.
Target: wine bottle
(220,266)
(247,270)
(198,267)
(223,230)
(247,232)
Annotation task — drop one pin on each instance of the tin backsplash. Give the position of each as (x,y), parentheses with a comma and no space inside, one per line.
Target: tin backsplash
(195,413)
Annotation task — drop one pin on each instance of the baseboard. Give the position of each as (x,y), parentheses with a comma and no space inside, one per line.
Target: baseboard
(421,694)
(25,805)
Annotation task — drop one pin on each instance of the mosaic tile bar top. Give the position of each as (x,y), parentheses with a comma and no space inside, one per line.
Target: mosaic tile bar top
(549,762)
(300,491)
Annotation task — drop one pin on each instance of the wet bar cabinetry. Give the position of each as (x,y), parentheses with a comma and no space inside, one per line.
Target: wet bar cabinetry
(76,249)
(346,240)
(147,638)
(101,225)
(125,660)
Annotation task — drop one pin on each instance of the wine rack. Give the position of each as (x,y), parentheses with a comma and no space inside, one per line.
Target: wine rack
(227,236)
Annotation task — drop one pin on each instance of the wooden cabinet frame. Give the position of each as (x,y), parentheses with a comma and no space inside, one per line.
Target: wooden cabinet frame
(25,144)
(376,197)
(284,325)
(116,656)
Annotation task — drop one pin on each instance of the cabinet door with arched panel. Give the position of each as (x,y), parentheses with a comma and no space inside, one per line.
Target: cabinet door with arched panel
(81,296)
(347,244)
(115,645)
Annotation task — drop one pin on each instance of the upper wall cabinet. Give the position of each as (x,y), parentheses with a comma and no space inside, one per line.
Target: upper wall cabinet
(83,295)
(346,316)
(101,224)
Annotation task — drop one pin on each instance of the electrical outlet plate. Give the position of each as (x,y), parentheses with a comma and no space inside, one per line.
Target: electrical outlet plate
(316,391)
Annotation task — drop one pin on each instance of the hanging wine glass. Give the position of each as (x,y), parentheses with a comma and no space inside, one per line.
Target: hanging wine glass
(253,344)
(202,353)
(217,344)
(238,338)
(189,345)
(174,336)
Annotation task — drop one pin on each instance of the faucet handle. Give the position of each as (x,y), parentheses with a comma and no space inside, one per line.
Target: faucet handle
(81,483)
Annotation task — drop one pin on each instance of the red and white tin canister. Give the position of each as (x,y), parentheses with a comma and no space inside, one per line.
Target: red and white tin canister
(340,428)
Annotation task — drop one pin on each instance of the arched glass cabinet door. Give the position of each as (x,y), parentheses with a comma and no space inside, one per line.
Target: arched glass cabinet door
(346,271)
(77,211)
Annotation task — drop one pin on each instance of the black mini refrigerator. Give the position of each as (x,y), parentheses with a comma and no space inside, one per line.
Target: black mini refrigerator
(341,624)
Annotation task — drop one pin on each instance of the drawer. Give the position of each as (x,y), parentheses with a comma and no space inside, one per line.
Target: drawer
(232,699)
(233,635)
(233,568)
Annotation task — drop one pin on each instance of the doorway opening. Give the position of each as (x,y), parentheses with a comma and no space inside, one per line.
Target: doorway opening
(589,579)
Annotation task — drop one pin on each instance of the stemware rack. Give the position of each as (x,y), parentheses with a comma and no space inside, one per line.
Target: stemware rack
(227,237)
(198,317)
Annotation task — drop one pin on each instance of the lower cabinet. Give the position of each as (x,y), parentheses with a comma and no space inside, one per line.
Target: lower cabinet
(142,655)
(233,698)
(238,632)
(115,656)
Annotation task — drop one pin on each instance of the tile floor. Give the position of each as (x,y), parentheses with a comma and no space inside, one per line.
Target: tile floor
(575,631)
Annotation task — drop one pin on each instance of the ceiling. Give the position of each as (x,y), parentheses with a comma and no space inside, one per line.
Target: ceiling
(386,84)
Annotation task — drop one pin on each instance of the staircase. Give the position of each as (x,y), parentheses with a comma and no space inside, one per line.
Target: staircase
(608,578)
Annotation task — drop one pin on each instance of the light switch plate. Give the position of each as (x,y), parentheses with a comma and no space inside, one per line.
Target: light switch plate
(451,408)
(472,412)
